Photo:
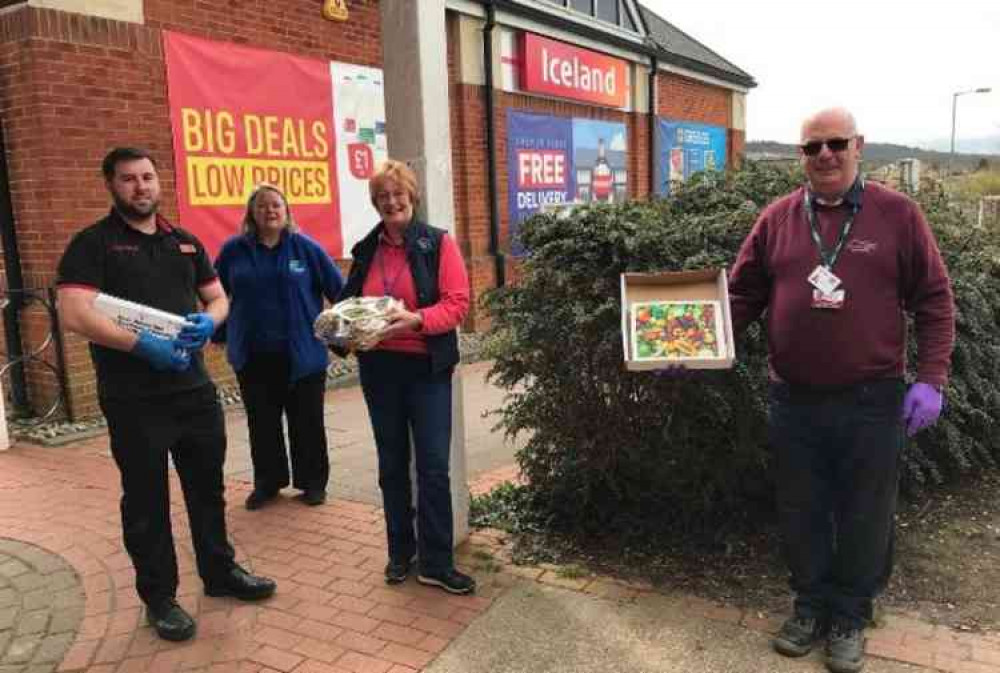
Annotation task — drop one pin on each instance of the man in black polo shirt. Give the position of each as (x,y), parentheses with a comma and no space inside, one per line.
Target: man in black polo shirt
(155,393)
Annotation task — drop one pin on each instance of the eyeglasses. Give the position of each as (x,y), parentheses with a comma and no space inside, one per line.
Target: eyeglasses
(814,147)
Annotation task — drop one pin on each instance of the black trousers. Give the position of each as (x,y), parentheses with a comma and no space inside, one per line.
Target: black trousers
(191,428)
(267,395)
(838,460)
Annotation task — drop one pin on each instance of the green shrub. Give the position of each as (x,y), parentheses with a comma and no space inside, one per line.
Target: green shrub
(640,455)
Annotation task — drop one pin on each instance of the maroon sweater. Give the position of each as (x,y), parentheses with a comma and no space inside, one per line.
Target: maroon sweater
(890,263)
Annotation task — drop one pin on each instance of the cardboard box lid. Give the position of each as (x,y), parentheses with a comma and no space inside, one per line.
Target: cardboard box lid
(694,285)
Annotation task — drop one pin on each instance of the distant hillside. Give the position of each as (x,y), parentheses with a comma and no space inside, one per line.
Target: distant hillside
(878,154)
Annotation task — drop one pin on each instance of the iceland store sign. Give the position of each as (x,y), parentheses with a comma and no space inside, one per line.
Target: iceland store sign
(558,69)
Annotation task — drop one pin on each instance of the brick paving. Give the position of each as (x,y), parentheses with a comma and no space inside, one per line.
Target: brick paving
(41,608)
(332,612)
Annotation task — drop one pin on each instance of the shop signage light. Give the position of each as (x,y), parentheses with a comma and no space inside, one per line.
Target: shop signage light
(335,10)
(559,69)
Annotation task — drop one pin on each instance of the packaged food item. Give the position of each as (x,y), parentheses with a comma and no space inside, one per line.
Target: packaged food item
(355,323)
(137,317)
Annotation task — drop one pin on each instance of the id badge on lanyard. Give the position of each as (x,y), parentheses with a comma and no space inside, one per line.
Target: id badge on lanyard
(827,292)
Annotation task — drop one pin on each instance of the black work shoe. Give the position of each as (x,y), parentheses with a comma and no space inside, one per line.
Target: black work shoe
(845,649)
(314,496)
(242,585)
(170,621)
(451,581)
(258,498)
(797,636)
(397,570)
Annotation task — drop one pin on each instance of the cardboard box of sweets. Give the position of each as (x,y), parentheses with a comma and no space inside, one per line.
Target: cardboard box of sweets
(676,318)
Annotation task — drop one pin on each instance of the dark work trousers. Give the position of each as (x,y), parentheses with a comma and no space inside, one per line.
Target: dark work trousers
(406,400)
(267,395)
(837,471)
(190,426)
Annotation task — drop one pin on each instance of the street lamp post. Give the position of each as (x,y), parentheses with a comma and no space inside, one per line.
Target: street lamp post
(954,110)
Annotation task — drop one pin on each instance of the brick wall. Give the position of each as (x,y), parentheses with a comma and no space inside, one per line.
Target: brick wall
(94,83)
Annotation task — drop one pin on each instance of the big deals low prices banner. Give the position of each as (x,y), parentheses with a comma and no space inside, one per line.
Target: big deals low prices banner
(244,116)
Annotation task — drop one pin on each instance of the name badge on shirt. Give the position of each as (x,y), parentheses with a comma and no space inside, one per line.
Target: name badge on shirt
(296,266)
(823,279)
(828,300)
(187,248)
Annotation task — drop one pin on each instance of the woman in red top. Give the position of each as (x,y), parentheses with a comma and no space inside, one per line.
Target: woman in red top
(406,378)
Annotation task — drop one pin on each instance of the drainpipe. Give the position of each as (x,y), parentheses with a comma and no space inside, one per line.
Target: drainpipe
(654,131)
(14,300)
(491,144)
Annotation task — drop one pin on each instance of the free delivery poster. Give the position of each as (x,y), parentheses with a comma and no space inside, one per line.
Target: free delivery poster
(554,161)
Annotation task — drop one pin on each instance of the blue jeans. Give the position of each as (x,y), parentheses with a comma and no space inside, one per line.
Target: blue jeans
(406,400)
(837,470)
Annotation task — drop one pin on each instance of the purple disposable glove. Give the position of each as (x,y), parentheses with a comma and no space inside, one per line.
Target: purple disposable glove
(672,373)
(921,407)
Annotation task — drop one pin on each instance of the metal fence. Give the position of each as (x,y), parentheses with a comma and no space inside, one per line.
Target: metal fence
(989,211)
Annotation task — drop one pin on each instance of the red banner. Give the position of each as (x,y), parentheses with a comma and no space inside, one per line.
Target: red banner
(244,116)
(559,69)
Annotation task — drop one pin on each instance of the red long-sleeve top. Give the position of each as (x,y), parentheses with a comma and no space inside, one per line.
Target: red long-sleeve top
(889,264)
(390,274)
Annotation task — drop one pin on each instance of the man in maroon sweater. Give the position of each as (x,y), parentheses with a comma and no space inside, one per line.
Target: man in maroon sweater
(833,266)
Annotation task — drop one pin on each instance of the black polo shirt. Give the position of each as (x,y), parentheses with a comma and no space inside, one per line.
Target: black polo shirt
(163,270)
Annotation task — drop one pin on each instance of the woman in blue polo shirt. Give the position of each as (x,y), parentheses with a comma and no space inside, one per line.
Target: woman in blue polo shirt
(276,278)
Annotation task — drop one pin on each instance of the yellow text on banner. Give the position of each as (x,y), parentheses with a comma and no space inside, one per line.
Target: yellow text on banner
(220,181)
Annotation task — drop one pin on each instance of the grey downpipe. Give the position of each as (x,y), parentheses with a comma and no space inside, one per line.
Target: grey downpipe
(14,300)
(491,144)
(654,131)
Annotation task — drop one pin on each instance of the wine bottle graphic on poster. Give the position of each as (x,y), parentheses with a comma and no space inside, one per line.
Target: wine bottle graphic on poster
(601,175)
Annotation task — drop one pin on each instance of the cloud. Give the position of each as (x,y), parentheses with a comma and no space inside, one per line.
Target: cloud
(618,143)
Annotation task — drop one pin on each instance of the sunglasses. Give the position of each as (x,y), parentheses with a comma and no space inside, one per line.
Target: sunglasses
(814,147)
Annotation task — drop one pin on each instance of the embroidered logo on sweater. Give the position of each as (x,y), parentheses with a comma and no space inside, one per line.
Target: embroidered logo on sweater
(296,266)
(861,246)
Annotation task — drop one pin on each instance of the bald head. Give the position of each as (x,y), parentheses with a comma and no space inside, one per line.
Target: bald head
(830,151)
(836,116)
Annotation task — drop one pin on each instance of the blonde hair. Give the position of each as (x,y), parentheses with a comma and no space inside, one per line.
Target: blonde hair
(249,225)
(398,172)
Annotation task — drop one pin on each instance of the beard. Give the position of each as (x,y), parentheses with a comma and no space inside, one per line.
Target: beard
(131,212)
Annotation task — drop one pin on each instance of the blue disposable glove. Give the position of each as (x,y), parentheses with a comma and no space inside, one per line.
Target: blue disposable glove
(161,354)
(921,407)
(196,331)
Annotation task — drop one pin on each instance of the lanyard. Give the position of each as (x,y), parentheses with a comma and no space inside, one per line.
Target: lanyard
(388,287)
(828,257)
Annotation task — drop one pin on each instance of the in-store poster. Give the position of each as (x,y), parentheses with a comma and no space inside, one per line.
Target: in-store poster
(314,129)
(553,161)
(687,148)
(359,113)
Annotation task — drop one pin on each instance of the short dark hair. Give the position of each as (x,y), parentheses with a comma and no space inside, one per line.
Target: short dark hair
(120,154)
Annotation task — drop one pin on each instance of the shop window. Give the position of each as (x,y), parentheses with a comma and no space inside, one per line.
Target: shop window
(626,19)
(607,10)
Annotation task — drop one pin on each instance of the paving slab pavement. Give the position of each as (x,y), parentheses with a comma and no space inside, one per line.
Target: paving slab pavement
(534,627)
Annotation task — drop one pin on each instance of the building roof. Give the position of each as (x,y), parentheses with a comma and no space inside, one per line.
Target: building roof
(679,48)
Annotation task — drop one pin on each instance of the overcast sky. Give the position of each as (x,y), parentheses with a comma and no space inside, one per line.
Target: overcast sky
(894,63)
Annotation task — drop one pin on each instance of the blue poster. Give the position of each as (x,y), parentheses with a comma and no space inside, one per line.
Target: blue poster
(558,160)
(687,148)
(539,167)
